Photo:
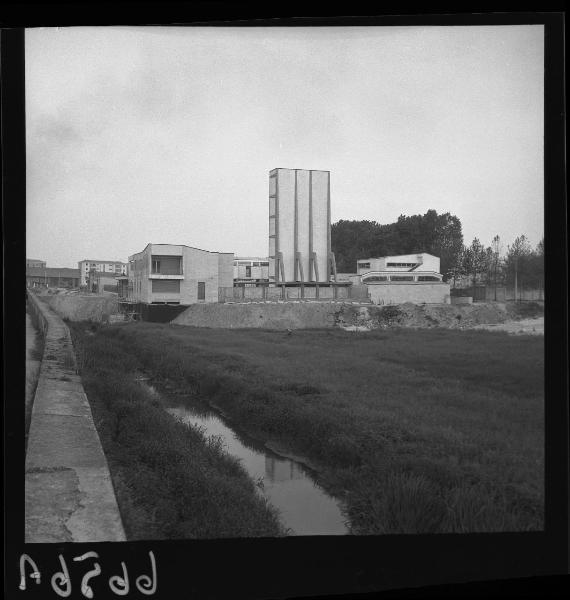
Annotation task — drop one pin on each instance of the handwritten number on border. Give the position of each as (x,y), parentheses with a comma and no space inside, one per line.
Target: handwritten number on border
(61,581)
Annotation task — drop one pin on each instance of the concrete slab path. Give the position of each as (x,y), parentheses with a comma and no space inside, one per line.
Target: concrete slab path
(69,494)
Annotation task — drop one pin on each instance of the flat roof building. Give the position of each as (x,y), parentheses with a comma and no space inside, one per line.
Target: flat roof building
(403,278)
(177,274)
(402,267)
(251,271)
(52,277)
(35,263)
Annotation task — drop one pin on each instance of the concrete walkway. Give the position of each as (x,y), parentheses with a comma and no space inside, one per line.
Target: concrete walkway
(69,495)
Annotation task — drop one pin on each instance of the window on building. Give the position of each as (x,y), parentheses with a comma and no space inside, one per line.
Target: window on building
(166,265)
(428,278)
(248,271)
(264,264)
(364,265)
(201,290)
(401,278)
(375,278)
(401,264)
(166,286)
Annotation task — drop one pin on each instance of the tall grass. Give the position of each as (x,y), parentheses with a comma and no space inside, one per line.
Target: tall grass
(171,482)
(418,431)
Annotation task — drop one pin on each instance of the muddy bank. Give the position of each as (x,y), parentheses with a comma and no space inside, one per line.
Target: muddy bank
(457,316)
(348,315)
(79,307)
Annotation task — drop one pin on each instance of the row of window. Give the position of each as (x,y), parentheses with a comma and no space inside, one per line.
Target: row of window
(172,286)
(250,263)
(366,265)
(373,278)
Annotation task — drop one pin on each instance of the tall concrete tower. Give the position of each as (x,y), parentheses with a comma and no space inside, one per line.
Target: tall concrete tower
(300,227)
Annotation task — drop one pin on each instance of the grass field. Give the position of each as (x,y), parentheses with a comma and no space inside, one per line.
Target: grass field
(417,431)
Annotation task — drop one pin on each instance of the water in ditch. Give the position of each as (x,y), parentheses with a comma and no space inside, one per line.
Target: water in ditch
(304,507)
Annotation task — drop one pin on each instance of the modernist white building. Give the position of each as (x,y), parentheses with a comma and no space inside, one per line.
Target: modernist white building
(403,278)
(177,274)
(251,271)
(422,267)
(114,267)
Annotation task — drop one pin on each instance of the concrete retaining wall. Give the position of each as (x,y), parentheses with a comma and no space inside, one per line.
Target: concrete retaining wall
(415,293)
(77,307)
(68,491)
(354,293)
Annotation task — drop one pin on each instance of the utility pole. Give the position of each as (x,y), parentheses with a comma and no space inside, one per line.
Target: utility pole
(496,251)
(516,275)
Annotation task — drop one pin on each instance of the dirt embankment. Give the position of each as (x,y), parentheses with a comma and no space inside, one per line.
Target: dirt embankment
(435,315)
(79,307)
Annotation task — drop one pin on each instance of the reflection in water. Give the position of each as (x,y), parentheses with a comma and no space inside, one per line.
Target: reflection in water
(303,506)
(281,470)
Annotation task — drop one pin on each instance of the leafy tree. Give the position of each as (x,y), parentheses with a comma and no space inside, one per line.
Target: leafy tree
(439,235)
(518,262)
(524,266)
(448,240)
(495,273)
(456,269)
(476,260)
(536,274)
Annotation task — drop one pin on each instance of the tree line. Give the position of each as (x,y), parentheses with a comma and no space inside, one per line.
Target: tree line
(442,236)
(522,266)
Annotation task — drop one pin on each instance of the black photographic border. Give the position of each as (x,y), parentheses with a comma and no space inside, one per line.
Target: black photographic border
(307,566)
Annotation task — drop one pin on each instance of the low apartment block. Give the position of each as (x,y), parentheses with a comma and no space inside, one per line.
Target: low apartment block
(113,267)
(35,263)
(177,274)
(250,271)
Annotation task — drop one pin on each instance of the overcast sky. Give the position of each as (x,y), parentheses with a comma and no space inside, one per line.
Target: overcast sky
(166,135)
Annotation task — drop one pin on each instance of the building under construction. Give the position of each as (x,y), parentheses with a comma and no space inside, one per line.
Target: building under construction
(300,252)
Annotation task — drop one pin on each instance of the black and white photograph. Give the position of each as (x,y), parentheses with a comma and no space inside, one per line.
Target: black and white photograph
(281,282)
